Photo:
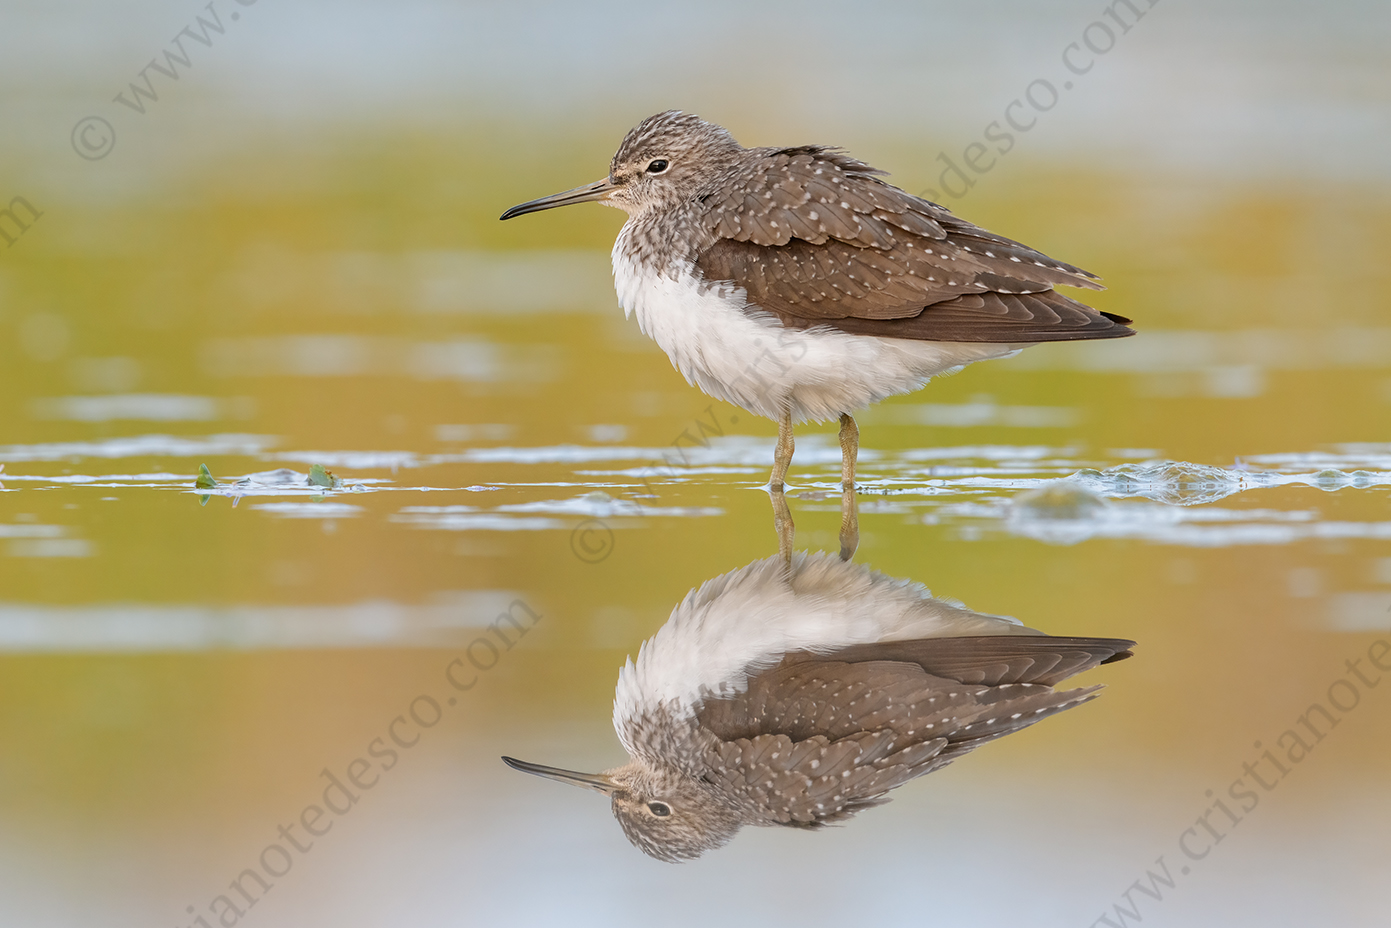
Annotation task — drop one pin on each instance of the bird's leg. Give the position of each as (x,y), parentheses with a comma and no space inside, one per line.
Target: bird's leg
(849,518)
(849,451)
(782,523)
(782,453)
(782,515)
(849,525)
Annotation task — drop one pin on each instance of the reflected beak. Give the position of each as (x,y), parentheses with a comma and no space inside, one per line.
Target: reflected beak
(595,781)
(589,193)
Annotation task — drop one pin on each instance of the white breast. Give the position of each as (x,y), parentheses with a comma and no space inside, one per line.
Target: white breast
(751,360)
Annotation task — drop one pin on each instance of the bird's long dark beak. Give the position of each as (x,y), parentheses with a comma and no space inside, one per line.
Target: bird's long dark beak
(589,193)
(596,781)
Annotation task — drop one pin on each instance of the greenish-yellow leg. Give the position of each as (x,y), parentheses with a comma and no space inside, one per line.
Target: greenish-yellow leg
(782,523)
(849,450)
(849,517)
(849,525)
(782,453)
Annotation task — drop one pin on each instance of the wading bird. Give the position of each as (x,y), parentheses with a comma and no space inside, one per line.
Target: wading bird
(797,284)
(799,701)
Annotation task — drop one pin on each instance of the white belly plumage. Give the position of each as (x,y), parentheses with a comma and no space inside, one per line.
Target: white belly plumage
(751,360)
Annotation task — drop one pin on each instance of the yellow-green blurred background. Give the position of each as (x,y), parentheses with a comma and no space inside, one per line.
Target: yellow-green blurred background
(292,257)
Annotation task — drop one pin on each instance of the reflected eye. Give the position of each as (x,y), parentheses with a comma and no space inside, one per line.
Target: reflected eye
(657,167)
(659,809)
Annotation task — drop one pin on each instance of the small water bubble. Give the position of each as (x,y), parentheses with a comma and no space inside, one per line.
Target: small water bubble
(1330,480)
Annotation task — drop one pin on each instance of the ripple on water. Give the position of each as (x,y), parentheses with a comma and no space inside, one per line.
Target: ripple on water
(1015,488)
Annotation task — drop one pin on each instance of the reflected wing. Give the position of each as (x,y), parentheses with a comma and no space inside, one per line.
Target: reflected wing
(815,739)
(997,659)
(815,238)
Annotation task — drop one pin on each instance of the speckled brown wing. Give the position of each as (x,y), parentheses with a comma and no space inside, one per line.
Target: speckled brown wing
(815,238)
(817,738)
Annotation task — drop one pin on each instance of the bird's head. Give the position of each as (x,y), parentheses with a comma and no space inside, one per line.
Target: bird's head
(665,814)
(664,160)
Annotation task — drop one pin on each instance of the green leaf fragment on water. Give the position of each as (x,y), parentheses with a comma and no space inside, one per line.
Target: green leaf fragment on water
(205,479)
(319,476)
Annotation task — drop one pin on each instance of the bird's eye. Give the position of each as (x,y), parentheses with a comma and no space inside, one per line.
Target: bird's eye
(658,166)
(659,809)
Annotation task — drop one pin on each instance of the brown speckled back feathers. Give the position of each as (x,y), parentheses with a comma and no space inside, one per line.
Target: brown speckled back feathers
(816,238)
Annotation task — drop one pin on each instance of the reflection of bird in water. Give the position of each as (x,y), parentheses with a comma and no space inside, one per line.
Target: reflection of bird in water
(794,282)
(766,700)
